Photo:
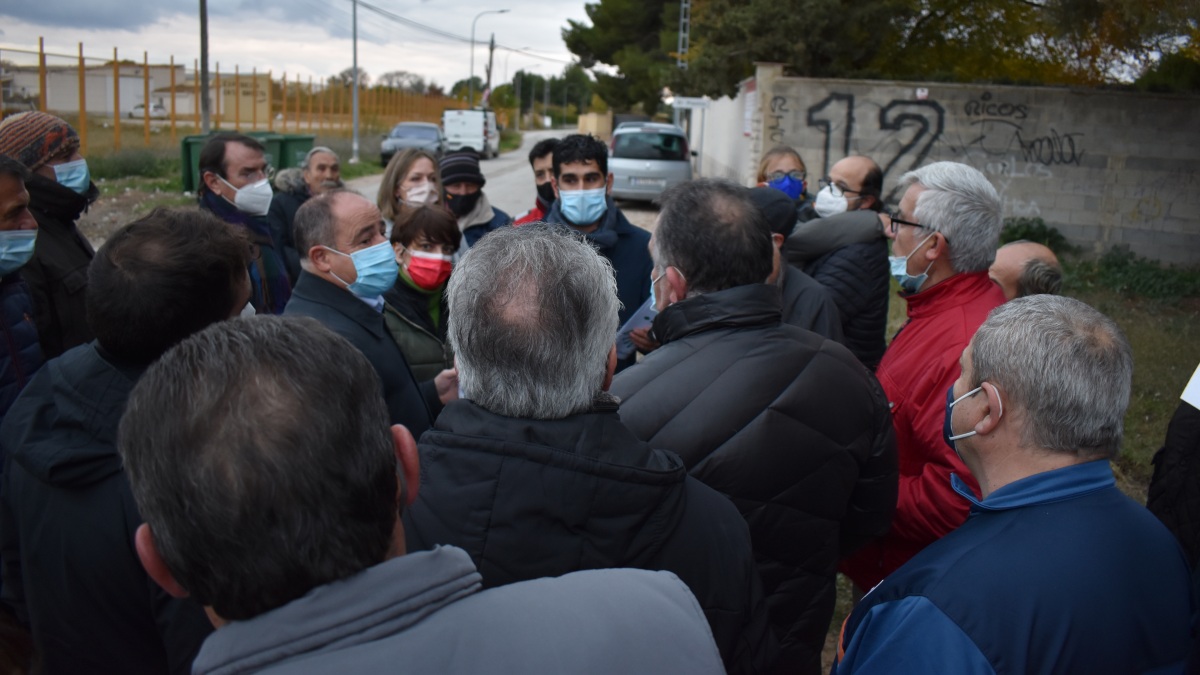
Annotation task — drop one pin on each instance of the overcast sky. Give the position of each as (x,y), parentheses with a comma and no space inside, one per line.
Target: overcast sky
(309,37)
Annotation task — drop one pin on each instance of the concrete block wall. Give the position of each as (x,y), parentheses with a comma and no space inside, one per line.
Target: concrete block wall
(1103,167)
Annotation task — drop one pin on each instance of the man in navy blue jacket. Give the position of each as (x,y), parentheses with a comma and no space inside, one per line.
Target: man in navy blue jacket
(1055,569)
(583,190)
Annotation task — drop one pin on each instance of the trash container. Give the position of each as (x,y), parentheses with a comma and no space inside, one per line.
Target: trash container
(295,147)
(189,151)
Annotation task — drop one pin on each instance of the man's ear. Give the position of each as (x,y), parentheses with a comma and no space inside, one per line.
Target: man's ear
(777,239)
(610,368)
(410,462)
(554,183)
(155,566)
(213,182)
(318,257)
(995,410)
(608,184)
(677,286)
(940,248)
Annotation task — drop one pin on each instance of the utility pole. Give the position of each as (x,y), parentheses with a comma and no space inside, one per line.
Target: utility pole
(205,108)
(517,77)
(491,54)
(546,103)
(681,52)
(354,112)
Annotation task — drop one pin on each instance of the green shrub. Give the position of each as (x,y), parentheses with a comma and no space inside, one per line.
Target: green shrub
(1120,270)
(145,163)
(1036,230)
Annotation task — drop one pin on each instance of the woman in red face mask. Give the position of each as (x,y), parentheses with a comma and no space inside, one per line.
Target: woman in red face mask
(425,240)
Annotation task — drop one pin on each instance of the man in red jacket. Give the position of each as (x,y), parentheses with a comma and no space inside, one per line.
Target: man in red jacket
(943,240)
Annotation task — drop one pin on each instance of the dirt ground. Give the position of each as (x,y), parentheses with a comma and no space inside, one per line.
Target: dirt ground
(118,206)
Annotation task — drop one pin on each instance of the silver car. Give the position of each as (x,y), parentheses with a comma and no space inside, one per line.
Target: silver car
(421,135)
(646,158)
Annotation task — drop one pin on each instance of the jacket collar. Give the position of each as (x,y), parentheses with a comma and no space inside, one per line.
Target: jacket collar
(219,207)
(612,224)
(315,289)
(738,307)
(1041,488)
(958,290)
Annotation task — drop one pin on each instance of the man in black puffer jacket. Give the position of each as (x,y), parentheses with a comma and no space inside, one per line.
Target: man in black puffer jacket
(786,423)
(535,476)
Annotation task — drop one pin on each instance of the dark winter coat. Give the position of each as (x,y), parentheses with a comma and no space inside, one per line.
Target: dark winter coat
(20,353)
(280,217)
(788,425)
(857,277)
(807,304)
(67,523)
(541,498)
(1175,487)
(415,406)
(424,345)
(57,274)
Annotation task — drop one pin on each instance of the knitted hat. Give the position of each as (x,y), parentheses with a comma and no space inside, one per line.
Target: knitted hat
(461,167)
(34,138)
(779,209)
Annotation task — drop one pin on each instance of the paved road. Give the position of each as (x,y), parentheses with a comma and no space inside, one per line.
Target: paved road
(510,185)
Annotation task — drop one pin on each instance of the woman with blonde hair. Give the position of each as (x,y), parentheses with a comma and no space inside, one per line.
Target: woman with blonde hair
(411,180)
(783,169)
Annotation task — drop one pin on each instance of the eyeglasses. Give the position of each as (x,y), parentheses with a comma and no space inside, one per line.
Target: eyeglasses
(896,220)
(835,189)
(794,175)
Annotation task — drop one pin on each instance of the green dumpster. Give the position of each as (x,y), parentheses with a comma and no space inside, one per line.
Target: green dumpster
(295,147)
(189,151)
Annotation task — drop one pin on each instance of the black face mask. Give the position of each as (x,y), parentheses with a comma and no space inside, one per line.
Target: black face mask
(546,192)
(461,205)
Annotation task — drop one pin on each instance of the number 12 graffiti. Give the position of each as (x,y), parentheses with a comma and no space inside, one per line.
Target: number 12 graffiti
(834,116)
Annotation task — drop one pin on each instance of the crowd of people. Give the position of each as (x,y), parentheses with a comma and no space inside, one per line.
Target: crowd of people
(299,431)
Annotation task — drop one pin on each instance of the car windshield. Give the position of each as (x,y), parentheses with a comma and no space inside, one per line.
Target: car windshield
(407,131)
(649,145)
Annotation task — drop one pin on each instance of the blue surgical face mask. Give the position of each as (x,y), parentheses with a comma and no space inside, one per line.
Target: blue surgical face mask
(583,207)
(789,186)
(16,248)
(909,283)
(376,268)
(73,175)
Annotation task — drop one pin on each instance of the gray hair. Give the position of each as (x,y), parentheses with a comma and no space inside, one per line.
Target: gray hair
(1068,367)
(959,202)
(1039,276)
(315,224)
(314,151)
(533,315)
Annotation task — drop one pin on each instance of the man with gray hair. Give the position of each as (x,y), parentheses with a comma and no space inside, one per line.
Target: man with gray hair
(320,173)
(534,475)
(943,240)
(286,526)
(1056,570)
(785,422)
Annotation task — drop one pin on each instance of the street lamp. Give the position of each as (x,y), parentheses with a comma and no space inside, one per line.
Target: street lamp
(471,79)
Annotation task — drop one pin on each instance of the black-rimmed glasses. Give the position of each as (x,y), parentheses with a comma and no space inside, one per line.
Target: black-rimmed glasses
(835,189)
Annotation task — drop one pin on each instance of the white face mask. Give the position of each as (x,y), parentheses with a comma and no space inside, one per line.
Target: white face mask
(829,205)
(248,310)
(254,199)
(421,194)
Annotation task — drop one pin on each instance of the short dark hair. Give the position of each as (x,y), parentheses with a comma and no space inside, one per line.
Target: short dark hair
(437,224)
(714,234)
(542,148)
(11,167)
(163,277)
(1039,276)
(873,186)
(212,155)
(580,148)
(255,488)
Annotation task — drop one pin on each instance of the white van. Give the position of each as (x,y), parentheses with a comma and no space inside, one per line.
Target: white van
(472,129)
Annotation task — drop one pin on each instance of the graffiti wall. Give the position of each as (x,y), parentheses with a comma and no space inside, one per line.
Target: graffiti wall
(1104,168)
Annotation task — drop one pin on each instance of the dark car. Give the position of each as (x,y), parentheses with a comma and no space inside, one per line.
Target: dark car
(405,135)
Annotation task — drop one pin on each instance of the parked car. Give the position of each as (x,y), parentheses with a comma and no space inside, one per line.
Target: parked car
(647,158)
(475,129)
(405,135)
(158,111)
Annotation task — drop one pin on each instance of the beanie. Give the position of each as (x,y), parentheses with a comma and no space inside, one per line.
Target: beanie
(461,167)
(778,208)
(34,138)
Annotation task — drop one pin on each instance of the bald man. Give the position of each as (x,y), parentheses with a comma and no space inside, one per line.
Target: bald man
(1026,268)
